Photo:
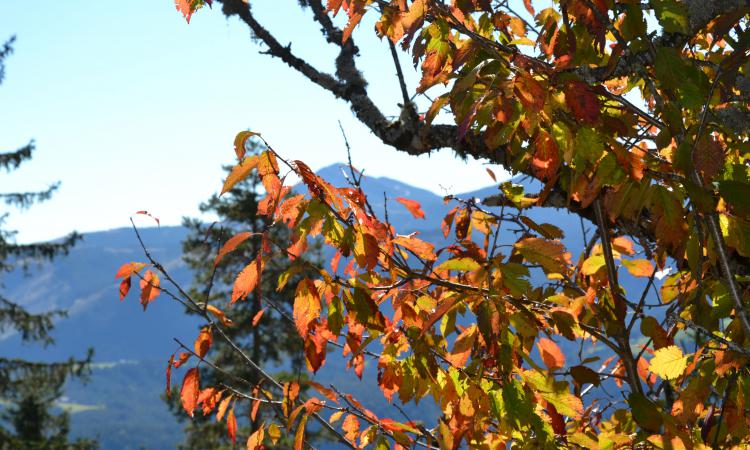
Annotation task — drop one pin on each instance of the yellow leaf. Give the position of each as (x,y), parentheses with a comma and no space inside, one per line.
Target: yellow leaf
(668,362)
(550,254)
(239,173)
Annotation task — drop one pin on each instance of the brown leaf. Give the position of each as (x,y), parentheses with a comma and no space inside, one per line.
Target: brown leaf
(582,101)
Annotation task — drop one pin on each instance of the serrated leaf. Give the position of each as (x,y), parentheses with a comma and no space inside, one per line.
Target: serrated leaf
(550,254)
(668,362)
(306,306)
(246,282)
(231,244)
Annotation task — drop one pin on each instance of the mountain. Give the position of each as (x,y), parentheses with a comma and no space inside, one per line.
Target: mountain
(121,405)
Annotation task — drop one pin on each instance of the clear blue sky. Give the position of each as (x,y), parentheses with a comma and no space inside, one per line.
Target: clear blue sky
(132,109)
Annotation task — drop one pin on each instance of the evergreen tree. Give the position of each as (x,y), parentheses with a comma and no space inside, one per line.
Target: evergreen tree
(273,341)
(28,389)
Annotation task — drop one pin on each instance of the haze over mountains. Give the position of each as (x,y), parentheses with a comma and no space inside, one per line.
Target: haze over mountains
(121,405)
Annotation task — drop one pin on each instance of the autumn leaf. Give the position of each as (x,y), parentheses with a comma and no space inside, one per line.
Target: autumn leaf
(168,390)
(550,254)
(190,390)
(149,288)
(639,267)
(299,435)
(366,251)
(668,362)
(124,288)
(240,141)
(239,172)
(423,249)
(232,426)
(306,306)
(255,441)
(551,354)
(127,269)
(582,101)
(246,282)
(462,347)
(203,342)
(413,206)
(223,406)
(220,315)
(231,245)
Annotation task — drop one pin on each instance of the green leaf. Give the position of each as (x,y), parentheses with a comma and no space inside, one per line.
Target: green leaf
(645,412)
(672,15)
(737,194)
(460,264)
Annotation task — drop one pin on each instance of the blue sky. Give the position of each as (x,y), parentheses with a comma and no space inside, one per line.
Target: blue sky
(132,108)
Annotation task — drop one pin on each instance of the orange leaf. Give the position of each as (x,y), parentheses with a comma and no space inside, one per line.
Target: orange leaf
(223,408)
(462,347)
(639,267)
(203,342)
(190,390)
(299,436)
(239,173)
(232,244)
(366,251)
(220,315)
(255,441)
(329,393)
(413,206)
(257,316)
(127,269)
(306,306)
(423,249)
(246,281)
(529,7)
(232,426)
(350,425)
(551,354)
(149,288)
(623,245)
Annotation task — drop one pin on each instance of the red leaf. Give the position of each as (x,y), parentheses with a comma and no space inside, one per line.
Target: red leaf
(124,288)
(246,281)
(546,159)
(413,206)
(128,269)
(232,244)
(551,355)
(169,375)
(232,426)
(146,213)
(583,103)
(190,390)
